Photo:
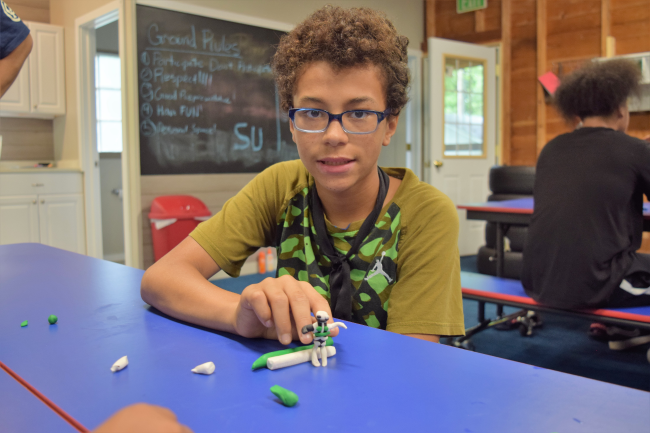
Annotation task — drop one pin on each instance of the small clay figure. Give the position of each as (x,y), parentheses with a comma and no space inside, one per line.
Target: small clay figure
(321,332)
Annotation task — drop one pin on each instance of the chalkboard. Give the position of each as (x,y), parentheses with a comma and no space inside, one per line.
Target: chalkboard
(208,102)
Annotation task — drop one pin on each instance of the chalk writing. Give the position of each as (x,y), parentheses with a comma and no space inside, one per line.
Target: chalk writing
(207,95)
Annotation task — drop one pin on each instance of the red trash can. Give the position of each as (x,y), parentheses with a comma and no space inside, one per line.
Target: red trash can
(173,217)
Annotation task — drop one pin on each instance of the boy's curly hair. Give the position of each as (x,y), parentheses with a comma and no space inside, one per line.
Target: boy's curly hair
(597,89)
(344,38)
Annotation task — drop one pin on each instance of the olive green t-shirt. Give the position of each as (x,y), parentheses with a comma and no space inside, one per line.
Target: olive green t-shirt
(406,275)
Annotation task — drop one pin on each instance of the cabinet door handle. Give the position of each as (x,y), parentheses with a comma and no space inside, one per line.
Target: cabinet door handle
(34,202)
(42,201)
(38,184)
(35,106)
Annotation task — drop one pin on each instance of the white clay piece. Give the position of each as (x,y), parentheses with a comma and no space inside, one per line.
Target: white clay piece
(120,364)
(207,368)
(295,358)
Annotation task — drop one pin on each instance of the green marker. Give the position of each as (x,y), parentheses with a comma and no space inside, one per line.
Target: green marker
(261,361)
(287,397)
(52,319)
(22,325)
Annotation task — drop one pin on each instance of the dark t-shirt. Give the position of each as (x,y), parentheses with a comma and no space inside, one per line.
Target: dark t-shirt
(588,217)
(12,30)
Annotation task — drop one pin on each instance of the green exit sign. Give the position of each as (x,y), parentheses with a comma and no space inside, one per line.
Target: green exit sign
(463,6)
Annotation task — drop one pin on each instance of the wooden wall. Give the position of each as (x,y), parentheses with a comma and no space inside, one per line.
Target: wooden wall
(28,139)
(544,35)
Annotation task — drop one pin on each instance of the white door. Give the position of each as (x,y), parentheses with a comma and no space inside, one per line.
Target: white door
(47,81)
(61,221)
(18,219)
(462,127)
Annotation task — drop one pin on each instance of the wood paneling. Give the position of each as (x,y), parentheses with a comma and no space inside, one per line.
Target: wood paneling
(476,27)
(630,25)
(574,30)
(212,189)
(523,98)
(542,34)
(506,81)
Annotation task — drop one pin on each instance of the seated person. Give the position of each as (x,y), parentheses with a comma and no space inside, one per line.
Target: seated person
(587,224)
(376,245)
(15,46)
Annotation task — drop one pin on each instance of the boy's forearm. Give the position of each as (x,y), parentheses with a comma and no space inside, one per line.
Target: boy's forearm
(11,65)
(183,293)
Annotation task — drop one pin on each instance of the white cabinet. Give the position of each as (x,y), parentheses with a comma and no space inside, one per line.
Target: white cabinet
(45,208)
(39,89)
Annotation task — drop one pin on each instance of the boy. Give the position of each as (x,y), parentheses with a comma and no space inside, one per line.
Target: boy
(15,45)
(379,246)
(589,187)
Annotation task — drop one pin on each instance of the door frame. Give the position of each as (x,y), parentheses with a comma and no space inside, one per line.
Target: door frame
(85,46)
(414,113)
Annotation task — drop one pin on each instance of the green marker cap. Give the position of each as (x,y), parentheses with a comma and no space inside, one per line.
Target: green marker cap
(52,319)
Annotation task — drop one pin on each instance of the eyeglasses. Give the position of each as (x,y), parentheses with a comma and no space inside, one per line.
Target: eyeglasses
(352,121)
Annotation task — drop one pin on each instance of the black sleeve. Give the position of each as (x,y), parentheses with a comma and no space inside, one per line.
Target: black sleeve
(645,170)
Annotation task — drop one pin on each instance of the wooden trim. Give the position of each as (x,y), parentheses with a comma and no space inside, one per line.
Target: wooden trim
(605,25)
(481,38)
(506,68)
(541,69)
(131,137)
(429,22)
(479,21)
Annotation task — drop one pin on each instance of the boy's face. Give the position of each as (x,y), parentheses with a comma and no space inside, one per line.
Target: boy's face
(340,161)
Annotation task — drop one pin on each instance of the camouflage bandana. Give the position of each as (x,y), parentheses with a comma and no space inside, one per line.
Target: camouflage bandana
(341,289)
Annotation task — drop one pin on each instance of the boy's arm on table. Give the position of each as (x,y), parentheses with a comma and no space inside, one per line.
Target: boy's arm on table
(178,286)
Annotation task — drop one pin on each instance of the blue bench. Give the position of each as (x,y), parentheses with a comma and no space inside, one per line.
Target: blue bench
(507,292)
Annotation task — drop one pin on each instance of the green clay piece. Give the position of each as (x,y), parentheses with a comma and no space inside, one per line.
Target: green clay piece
(261,361)
(23,324)
(52,319)
(287,397)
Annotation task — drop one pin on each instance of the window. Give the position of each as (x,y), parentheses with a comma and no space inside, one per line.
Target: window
(464,107)
(109,103)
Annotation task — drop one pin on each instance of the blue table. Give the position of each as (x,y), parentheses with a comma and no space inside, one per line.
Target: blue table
(519,211)
(378,381)
(22,411)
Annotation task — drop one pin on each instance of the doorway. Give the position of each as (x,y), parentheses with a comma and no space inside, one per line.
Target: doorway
(108,112)
(100,78)
(462,127)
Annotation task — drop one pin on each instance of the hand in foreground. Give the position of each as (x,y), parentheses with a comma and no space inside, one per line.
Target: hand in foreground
(278,308)
(143,417)
(647,138)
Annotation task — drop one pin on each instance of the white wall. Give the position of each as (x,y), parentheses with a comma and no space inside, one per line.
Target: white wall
(406,15)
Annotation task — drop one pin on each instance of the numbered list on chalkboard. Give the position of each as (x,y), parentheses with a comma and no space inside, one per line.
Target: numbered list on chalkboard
(208,101)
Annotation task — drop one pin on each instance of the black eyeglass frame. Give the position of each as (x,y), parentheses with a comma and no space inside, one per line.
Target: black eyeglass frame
(381,115)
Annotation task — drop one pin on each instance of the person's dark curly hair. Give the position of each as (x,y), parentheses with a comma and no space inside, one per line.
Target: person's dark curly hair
(597,89)
(344,38)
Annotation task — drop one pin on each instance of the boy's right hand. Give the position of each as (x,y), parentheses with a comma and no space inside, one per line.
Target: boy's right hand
(278,308)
